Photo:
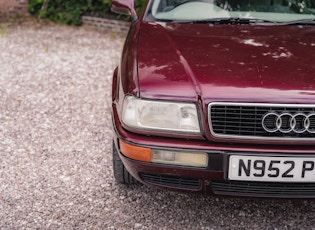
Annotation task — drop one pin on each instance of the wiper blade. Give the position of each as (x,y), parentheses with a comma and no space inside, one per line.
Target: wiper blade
(301,22)
(228,21)
(246,21)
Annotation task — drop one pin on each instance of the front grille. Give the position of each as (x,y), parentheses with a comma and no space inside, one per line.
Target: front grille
(259,189)
(171,181)
(250,121)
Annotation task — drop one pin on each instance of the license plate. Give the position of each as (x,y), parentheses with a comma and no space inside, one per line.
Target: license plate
(272,169)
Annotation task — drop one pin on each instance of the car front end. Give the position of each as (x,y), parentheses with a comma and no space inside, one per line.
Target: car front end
(223,105)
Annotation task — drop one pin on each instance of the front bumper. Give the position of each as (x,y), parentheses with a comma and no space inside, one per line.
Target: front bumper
(212,179)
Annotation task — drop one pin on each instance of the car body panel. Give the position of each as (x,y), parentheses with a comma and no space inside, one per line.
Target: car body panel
(227,62)
(202,63)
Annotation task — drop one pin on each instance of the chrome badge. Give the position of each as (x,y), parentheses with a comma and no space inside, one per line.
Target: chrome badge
(287,122)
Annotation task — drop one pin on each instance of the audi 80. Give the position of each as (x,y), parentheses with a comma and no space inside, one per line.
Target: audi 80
(217,97)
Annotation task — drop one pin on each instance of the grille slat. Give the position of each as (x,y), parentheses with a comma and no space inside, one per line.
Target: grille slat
(245,120)
(171,181)
(264,189)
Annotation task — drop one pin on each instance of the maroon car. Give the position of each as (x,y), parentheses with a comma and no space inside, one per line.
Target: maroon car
(217,96)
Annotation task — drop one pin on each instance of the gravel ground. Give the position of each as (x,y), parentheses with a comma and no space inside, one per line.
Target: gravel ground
(55,146)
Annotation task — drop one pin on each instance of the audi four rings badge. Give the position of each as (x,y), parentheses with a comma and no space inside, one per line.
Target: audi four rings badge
(286,122)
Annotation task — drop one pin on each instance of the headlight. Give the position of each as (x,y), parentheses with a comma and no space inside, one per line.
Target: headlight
(160,116)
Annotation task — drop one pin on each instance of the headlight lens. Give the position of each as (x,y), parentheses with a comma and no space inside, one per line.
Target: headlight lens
(160,116)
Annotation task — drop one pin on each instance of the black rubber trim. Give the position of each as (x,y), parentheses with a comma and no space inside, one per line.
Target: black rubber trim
(262,189)
(171,181)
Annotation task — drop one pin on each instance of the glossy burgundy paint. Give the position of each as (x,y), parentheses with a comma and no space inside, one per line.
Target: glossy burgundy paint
(124,7)
(227,62)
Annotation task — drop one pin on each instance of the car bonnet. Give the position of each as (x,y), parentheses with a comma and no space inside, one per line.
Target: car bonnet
(186,61)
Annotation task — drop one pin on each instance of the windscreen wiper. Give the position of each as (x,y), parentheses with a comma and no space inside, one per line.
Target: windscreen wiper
(246,21)
(233,21)
(308,21)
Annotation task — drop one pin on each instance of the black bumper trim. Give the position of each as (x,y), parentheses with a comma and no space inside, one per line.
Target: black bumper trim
(171,181)
(259,189)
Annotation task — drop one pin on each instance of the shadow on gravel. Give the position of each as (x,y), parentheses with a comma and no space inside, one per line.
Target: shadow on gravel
(173,210)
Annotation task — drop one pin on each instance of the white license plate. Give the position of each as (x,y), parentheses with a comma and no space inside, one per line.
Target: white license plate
(277,169)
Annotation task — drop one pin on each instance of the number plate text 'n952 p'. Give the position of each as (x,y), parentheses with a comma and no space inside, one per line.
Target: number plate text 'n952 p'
(271,169)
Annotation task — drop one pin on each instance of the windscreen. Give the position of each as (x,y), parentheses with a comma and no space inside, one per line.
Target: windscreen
(271,10)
